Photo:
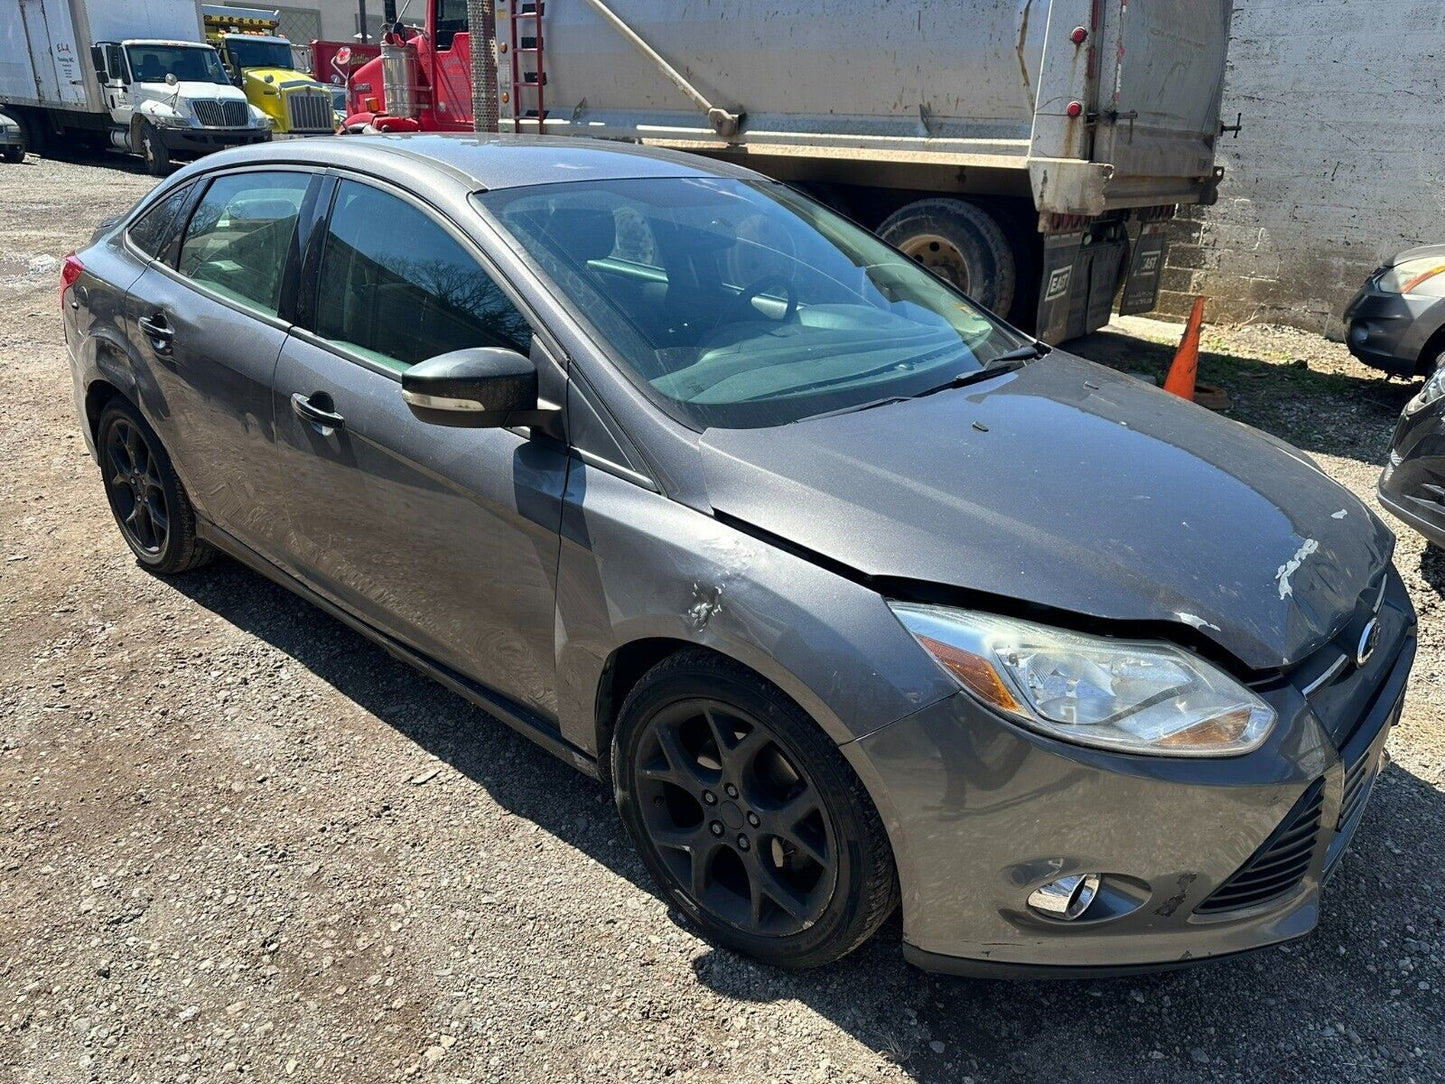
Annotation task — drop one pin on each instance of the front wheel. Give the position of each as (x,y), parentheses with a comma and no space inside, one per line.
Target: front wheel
(147,139)
(14,153)
(747,816)
(150,506)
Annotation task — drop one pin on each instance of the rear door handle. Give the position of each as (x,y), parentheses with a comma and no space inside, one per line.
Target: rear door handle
(315,408)
(158,331)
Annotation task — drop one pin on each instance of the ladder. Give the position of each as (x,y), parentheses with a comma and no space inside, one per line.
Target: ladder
(529,74)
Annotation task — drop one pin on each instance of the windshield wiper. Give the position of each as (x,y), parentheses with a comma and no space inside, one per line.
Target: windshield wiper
(1027,352)
(1004,363)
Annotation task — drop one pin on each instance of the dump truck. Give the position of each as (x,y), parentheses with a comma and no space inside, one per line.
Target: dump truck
(1031,151)
(260,62)
(135,74)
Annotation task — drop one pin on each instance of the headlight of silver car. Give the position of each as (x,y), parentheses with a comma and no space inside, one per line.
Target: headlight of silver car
(1424,277)
(1131,696)
(1429,393)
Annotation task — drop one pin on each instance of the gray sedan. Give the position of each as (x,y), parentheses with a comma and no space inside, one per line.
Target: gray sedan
(1397,320)
(12,139)
(854,596)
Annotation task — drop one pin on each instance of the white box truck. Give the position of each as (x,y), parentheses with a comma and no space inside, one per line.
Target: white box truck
(1029,150)
(136,74)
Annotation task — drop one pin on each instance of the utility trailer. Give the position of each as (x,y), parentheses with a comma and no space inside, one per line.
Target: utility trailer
(1029,150)
(132,73)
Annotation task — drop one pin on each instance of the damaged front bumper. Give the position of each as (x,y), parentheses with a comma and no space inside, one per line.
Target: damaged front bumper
(982,813)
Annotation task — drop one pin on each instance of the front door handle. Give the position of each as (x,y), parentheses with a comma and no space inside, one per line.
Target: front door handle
(158,331)
(317,409)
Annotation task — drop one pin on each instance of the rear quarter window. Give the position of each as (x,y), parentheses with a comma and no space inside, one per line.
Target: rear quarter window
(154,230)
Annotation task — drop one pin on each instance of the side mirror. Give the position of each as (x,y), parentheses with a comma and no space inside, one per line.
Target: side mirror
(483,387)
(171,79)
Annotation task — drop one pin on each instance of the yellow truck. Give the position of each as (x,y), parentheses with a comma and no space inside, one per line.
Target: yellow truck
(259,61)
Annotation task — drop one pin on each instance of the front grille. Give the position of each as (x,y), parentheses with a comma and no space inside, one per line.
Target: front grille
(219,114)
(1279,865)
(309,111)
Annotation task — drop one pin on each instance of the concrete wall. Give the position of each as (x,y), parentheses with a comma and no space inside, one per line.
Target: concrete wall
(1341,161)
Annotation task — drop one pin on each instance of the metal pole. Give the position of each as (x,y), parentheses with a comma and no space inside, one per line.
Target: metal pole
(482,23)
(361,20)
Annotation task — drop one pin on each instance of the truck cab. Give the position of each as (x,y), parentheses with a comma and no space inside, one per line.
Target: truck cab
(259,62)
(171,99)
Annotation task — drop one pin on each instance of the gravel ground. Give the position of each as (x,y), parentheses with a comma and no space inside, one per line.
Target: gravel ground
(240,841)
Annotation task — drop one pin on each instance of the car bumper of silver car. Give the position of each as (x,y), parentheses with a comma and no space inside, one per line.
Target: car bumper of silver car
(1389,331)
(1197,859)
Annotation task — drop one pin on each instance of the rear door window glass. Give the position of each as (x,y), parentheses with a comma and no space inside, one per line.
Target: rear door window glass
(396,288)
(241,236)
(154,230)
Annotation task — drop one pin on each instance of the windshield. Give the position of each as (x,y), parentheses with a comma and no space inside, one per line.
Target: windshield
(258,52)
(188,63)
(742,304)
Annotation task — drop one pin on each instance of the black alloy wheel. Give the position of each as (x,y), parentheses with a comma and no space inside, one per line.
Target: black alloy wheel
(150,506)
(747,815)
(734,819)
(133,484)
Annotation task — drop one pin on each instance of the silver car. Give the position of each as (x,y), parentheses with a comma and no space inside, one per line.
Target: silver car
(854,596)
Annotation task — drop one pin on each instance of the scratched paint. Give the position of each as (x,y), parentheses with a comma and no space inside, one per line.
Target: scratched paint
(1290,567)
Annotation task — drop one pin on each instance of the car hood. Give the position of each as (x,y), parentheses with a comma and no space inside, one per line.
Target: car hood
(1421,252)
(1074,487)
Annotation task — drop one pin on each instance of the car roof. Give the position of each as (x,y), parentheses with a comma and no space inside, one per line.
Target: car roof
(489,161)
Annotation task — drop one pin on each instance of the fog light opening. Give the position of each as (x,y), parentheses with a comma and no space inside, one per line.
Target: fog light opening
(1067,898)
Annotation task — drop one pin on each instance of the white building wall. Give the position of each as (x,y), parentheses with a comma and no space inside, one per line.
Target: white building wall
(1340,164)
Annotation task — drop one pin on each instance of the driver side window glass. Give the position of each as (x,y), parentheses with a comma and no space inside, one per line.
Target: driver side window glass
(115,64)
(241,236)
(397,289)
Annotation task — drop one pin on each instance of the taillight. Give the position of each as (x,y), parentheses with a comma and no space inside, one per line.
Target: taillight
(70,272)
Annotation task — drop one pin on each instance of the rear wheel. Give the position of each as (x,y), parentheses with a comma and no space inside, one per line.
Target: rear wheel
(960,242)
(748,816)
(14,153)
(151,508)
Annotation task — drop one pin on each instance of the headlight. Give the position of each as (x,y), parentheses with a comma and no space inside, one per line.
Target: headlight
(1432,390)
(1135,697)
(170,120)
(1425,277)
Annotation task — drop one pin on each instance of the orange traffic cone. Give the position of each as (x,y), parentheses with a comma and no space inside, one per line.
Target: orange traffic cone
(1185,367)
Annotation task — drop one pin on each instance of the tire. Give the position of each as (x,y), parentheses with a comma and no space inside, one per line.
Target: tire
(146,497)
(146,141)
(747,816)
(960,242)
(14,153)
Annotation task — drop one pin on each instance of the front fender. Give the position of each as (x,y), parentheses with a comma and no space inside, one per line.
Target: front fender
(636,565)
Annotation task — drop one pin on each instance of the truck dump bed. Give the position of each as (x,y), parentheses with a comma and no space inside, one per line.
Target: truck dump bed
(985,84)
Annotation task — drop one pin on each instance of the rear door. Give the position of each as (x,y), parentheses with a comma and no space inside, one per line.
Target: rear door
(60,72)
(1160,80)
(445,539)
(208,320)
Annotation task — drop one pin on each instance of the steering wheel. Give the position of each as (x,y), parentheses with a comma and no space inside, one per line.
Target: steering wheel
(745,299)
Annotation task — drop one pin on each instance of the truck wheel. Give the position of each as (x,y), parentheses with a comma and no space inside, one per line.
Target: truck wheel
(147,141)
(960,242)
(14,153)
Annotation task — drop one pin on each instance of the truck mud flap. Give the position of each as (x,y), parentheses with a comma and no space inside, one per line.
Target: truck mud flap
(1141,287)
(1076,291)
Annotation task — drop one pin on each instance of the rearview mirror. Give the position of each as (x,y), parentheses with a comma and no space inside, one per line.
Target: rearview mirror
(483,387)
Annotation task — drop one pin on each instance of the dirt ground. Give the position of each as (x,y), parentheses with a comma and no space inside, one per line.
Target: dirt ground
(239,841)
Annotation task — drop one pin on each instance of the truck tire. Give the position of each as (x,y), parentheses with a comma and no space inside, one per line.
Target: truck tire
(14,153)
(960,242)
(145,140)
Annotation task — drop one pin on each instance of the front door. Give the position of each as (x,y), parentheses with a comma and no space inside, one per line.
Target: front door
(446,539)
(210,329)
(116,86)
